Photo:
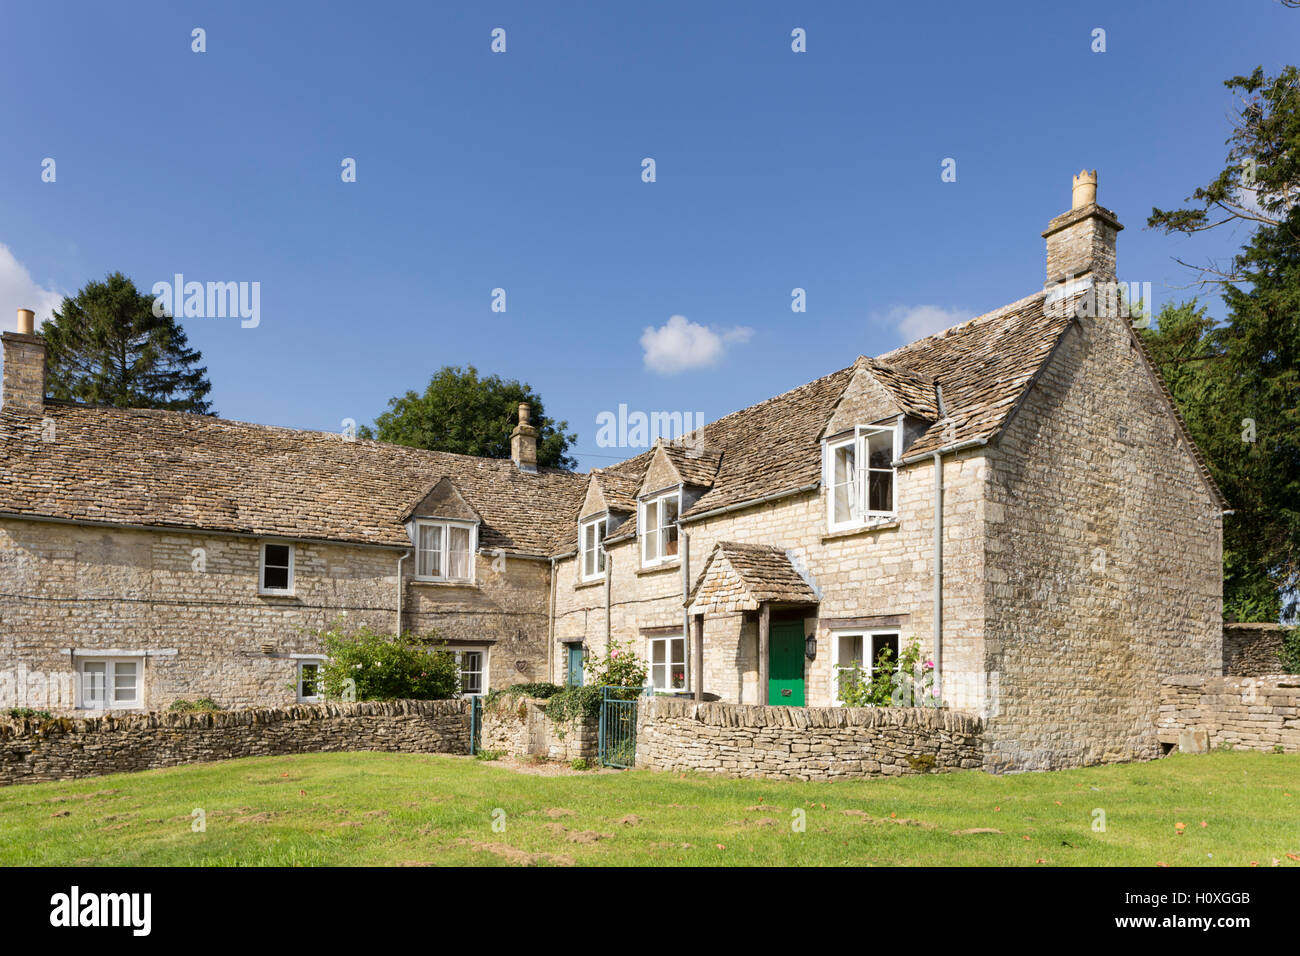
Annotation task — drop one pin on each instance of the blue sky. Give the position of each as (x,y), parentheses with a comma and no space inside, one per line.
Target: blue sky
(523,171)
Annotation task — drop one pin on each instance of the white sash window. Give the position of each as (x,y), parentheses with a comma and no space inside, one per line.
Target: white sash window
(444,550)
(591,542)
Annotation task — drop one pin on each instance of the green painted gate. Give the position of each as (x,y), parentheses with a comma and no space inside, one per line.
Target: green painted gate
(785,654)
(617,741)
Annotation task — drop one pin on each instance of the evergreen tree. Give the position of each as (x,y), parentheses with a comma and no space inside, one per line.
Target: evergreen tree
(1238,384)
(106,346)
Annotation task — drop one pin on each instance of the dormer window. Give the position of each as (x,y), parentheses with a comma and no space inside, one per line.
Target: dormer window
(861,477)
(444,550)
(658,528)
(591,536)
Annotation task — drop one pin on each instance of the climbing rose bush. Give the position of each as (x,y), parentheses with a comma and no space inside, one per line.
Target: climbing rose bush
(620,667)
(386,666)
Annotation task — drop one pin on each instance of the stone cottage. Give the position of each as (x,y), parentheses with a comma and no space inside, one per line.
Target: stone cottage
(1016,494)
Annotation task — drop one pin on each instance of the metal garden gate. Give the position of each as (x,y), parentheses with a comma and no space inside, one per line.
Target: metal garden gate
(618,726)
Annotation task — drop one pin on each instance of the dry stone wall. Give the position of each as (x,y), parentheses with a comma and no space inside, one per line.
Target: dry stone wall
(805,743)
(32,750)
(1252,650)
(1240,713)
(520,726)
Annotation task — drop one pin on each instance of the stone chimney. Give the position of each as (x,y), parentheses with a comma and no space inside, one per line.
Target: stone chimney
(523,442)
(24,377)
(1081,242)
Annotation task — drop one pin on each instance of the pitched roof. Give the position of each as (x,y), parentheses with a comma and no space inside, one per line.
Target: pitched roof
(759,574)
(443,500)
(916,394)
(771,447)
(983,367)
(980,370)
(619,490)
(170,469)
(697,464)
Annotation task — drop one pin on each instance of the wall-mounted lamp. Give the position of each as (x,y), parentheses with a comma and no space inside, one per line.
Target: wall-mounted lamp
(810,647)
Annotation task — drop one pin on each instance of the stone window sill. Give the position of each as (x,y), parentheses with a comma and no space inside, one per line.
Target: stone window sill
(444,584)
(675,565)
(857,532)
(581,585)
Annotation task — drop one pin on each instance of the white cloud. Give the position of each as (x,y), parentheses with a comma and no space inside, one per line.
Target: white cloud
(19,291)
(917,321)
(680,344)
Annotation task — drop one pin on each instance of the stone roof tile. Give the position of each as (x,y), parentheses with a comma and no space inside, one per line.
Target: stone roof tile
(171,469)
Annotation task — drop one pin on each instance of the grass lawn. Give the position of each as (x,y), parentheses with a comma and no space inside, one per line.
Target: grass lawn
(1236,809)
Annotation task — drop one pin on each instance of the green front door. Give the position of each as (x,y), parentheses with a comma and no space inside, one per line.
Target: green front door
(785,664)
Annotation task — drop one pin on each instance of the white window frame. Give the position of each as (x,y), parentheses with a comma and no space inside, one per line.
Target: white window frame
(601,527)
(110,700)
(859,514)
(317,697)
(261,568)
(444,553)
(669,663)
(482,671)
(662,528)
(869,651)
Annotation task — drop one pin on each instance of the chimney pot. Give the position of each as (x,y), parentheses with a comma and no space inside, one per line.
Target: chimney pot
(24,369)
(523,442)
(1085,189)
(1081,242)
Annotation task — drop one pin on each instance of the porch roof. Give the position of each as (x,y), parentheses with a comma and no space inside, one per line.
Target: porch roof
(742,577)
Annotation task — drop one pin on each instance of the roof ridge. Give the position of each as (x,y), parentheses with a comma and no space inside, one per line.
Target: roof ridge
(730,415)
(306,433)
(989,316)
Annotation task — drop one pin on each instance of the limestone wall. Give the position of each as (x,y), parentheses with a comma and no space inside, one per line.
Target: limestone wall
(1103,561)
(191,601)
(34,750)
(1240,713)
(805,743)
(519,725)
(883,572)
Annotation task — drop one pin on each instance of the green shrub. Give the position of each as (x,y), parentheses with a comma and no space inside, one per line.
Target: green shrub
(181,705)
(620,667)
(907,684)
(21,712)
(489,755)
(574,703)
(367,665)
(581,764)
